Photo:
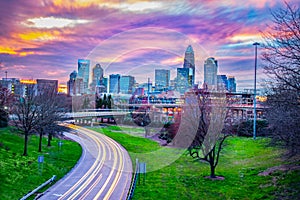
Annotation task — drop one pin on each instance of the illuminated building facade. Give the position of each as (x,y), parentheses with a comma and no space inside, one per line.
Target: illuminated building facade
(162,79)
(189,63)
(126,84)
(210,71)
(183,80)
(84,73)
(114,83)
(231,84)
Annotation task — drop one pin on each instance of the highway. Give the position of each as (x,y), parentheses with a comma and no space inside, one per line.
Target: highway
(103,172)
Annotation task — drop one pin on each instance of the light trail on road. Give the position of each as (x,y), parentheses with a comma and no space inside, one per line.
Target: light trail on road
(108,175)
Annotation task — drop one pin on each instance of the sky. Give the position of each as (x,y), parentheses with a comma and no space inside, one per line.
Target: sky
(45,38)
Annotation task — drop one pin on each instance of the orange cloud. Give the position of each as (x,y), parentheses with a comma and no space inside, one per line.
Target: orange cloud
(55,73)
(77,3)
(173,61)
(15,51)
(39,36)
(7,50)
(248,3)
(26,53)
(246,37)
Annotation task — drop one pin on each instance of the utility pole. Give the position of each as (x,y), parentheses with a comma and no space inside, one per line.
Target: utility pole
(254,98)
(148,96)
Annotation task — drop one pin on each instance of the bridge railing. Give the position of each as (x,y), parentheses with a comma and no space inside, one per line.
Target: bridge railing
(133,181)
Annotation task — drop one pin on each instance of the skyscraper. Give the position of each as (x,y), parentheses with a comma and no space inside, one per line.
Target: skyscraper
(97,78)
(162,79)
(98,74)
(84,73)
(114,83)
(126,84)
(222,82)
(210,71)
(71,84)
(105,84)
(182,83)
(189,62)
(231,84)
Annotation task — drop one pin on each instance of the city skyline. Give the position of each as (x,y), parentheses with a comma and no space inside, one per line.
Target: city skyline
(49,37)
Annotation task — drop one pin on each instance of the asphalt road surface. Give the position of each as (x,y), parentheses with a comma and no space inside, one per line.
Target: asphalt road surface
(103,172)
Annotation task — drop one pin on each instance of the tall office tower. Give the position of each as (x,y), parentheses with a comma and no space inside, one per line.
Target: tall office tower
(162,79)
(105,84)
(84,73)
(231,84)
(79,85)
(126,84)
(45,85)
(98,74)
(97,78)
(222,82)
(71,84)
(189,62)
(114,83)
(182,84)
(210,71)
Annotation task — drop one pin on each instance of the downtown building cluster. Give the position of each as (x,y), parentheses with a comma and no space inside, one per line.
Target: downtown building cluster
(21,87)
(89,80)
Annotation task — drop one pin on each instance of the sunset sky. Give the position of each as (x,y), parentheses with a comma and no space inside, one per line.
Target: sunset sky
(45,38)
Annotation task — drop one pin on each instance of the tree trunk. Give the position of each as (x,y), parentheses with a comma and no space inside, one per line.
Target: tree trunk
(147,131)
(212,171)
(211,157)
(40,141)
(25,143)
(49,140)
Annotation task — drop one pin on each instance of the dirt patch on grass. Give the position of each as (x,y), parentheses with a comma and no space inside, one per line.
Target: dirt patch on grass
(158,140)
(283,168)
(217,178)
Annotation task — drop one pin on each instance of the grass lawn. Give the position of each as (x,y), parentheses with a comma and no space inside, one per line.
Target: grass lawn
(20,174)
(240,162)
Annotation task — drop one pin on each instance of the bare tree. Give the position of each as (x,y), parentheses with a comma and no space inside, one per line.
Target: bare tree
(141,117)
(6,99)
(55,130)
(51,110)
(25,115)
(202,126)
(37,112)
(281,61)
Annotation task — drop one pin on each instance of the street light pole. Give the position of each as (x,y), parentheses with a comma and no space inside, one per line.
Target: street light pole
(148,97)
(254,98)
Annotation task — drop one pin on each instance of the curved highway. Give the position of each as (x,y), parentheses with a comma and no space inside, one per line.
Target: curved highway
(103,172)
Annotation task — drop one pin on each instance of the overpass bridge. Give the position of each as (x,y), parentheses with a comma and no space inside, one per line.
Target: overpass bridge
(163,111)
(95,114)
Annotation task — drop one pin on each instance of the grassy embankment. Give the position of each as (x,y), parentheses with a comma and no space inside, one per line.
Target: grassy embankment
(242,159)
(21,174)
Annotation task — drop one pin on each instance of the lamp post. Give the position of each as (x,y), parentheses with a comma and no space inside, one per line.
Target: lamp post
(254,98)
(148,97)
